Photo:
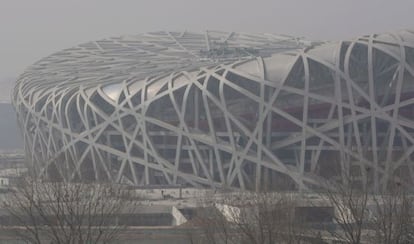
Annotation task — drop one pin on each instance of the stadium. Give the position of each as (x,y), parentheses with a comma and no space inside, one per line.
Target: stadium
(222,110)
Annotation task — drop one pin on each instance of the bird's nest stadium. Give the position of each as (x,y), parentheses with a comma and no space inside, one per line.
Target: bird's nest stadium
(222,109)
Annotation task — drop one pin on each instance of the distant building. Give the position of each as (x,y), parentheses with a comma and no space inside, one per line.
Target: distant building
(218,109)
(4,181)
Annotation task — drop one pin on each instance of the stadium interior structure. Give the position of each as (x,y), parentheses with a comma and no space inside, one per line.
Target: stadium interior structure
(216,109)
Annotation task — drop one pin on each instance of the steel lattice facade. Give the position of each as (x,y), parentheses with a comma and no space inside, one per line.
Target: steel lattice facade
(219,109)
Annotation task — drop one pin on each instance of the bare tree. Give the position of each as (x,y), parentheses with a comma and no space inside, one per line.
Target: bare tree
(256,218)
(59,212)
(350,203)
(392,216)
(215,228)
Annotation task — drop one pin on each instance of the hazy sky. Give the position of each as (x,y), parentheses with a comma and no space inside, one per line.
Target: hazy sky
(31,29)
